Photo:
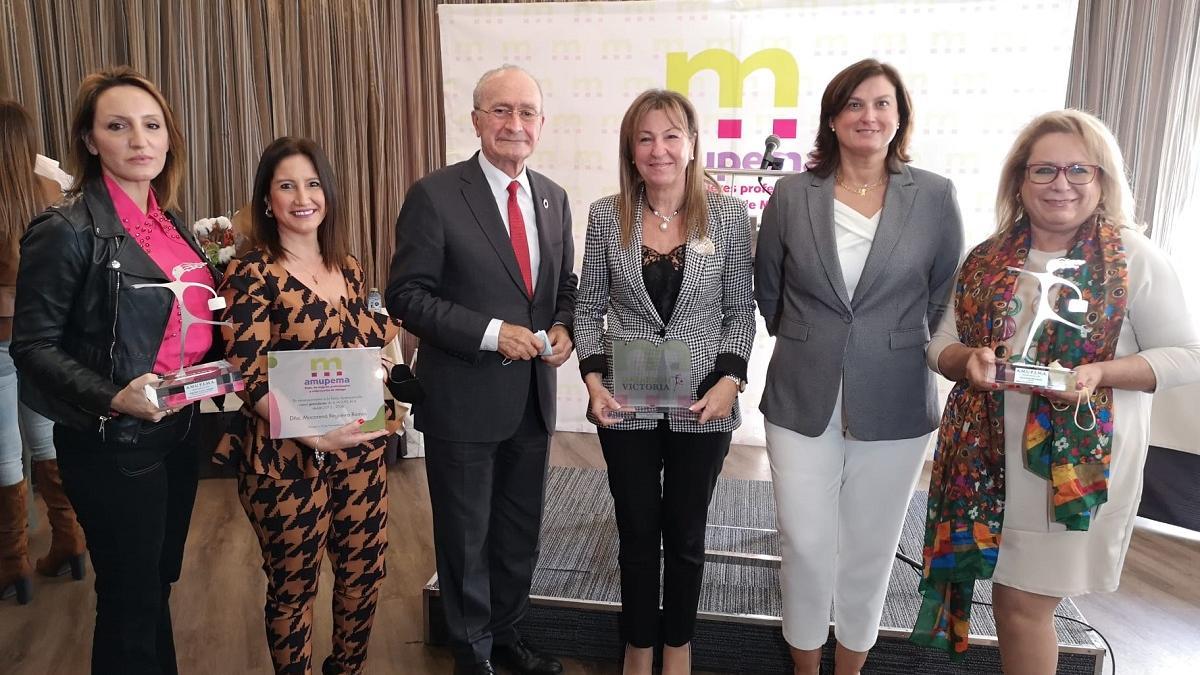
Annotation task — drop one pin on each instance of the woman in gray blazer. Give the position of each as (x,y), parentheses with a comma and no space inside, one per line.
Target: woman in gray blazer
(665,260)
(855,262)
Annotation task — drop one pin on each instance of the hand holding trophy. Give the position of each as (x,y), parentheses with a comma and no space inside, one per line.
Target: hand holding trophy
(652,381)
(1021,372)
(203,380)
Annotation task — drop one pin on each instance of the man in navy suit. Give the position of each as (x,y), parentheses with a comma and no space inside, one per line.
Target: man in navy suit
(483,276)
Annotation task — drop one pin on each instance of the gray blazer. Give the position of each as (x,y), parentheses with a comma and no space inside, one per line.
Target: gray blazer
(874,345)
(453,271)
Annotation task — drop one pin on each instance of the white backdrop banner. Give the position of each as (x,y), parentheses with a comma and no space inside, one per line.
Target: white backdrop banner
(977,71)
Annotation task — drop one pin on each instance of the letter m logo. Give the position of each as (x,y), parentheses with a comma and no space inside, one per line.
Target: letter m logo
(325,367)
(732,73)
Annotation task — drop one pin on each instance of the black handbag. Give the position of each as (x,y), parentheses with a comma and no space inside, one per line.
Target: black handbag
(405,386)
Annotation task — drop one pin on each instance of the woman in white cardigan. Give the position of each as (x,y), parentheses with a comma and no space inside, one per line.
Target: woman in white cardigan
(1056,478)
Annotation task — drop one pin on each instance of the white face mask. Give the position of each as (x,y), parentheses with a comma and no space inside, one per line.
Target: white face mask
(1082,394)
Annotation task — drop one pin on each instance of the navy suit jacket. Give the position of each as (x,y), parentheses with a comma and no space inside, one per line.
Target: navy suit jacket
(453,272)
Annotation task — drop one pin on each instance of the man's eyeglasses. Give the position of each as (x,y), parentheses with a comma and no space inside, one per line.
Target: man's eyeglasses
(502,113)
(1077,174)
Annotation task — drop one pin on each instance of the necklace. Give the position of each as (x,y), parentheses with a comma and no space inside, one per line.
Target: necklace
(862,190)
(666,220)
(307,269)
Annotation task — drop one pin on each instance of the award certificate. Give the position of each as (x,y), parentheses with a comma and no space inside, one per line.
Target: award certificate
(312,391)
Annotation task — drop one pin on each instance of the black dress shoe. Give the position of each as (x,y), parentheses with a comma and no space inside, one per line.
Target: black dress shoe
(480,668)
(521,658)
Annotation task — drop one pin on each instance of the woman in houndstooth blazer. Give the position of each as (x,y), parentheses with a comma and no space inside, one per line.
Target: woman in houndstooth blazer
(665,259)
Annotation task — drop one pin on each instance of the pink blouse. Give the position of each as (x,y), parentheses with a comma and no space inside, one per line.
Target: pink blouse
(158,237)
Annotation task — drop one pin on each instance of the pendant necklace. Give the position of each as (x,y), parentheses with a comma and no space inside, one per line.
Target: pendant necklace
(666,220)
(862,190)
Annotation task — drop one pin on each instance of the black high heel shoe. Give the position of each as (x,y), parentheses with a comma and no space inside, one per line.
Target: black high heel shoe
(75,565)
(22,588)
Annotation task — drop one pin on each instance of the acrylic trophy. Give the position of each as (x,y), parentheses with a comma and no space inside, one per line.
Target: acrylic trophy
(203,380)
(652,381)
(1022,373)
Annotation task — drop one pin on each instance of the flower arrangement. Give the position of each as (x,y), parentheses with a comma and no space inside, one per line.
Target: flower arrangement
(217,239)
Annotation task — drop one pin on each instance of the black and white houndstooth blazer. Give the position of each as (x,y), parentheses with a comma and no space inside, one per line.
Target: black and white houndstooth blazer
(714,312)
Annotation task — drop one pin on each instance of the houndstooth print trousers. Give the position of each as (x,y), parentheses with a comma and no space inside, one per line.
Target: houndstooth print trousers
(342,512)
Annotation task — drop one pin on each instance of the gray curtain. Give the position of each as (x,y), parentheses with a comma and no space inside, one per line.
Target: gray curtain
(1136,65)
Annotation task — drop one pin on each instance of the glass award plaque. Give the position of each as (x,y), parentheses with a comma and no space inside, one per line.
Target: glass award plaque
(195,383)
(1034,376)
(1022,373)
(652,381)
(203,380)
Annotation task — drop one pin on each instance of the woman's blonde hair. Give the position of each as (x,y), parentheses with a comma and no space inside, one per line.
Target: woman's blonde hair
(21,195)
(1116,199)
(681,113)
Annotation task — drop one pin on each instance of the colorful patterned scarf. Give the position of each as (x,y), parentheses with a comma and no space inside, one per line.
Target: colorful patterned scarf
(965,514)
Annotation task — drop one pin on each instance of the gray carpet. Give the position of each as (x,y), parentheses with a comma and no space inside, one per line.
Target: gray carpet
(576,587)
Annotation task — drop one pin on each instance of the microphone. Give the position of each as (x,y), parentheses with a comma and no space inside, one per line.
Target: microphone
(769,160)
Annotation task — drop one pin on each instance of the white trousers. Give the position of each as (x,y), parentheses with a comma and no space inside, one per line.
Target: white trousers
(839,507)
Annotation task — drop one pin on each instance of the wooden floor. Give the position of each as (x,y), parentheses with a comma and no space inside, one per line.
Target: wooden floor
(1153,621)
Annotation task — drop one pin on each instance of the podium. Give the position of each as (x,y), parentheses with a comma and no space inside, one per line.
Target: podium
(751,186)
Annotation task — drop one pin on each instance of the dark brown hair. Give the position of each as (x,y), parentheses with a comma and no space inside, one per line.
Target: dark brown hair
(21,197)
(330,238)
(826,154)
(84,165)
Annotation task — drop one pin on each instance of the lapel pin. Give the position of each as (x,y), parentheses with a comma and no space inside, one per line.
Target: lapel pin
(545,203)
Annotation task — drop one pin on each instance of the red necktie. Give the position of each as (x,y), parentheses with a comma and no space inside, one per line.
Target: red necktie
(516,232)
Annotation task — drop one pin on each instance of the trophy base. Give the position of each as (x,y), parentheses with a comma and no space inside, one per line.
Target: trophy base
(1032,376)
(647,412)
(195,383)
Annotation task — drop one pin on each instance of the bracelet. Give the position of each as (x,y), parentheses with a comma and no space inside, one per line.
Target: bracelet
(741,384)
(317,453)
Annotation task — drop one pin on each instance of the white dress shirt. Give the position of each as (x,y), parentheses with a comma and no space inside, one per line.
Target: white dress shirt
(498,182)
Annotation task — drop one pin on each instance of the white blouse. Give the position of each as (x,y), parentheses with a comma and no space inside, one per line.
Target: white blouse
(854,233)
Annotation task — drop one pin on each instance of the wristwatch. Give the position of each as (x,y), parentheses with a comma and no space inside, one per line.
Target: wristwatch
(741,384)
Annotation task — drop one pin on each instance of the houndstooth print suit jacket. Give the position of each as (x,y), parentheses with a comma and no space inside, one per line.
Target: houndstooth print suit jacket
(713,315)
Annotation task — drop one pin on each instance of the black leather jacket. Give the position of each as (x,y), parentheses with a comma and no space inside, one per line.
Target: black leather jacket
(80,331)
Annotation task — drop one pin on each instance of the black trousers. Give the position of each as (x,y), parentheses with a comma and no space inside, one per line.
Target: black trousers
(134,503)
(487,513)
(662,482)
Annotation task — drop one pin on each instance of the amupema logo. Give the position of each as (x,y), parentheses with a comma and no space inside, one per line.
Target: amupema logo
(326,376)
(731,73)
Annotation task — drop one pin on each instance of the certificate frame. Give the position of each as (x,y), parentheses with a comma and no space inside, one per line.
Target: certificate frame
(312,391)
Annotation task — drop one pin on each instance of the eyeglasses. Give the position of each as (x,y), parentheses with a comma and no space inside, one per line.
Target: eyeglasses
(502,113)
(1077,174)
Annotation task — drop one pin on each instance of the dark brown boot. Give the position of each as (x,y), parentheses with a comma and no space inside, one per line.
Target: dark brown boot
(66,537)
(15,572)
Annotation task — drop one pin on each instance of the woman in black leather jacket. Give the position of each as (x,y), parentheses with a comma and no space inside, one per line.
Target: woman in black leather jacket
(87,340)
